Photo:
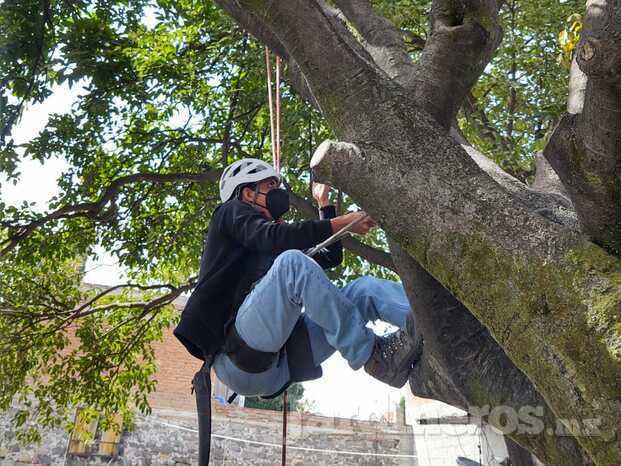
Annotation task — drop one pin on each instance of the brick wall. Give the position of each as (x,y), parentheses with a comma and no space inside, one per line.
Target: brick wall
(176,367)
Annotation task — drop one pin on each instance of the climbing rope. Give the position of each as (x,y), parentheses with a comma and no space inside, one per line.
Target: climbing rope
(274,109)
(275,143)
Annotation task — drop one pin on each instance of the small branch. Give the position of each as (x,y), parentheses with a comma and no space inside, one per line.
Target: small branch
(106,203)
(86,309)
(584,147)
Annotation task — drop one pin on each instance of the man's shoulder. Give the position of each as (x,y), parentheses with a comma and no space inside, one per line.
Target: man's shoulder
(232,205)
(233,208)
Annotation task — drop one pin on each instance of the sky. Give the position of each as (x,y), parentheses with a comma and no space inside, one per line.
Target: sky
(340,392)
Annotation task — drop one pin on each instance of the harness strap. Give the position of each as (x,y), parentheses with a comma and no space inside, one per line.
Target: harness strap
(243,356)
(201,385)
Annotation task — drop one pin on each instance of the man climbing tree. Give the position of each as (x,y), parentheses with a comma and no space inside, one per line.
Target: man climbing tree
(245,314)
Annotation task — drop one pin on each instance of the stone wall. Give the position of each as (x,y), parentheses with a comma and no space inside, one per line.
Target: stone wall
(169,438)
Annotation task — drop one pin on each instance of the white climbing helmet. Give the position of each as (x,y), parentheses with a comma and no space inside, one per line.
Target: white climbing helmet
(242,172)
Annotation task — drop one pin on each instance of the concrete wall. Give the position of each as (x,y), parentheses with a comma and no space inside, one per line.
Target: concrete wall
(169,438)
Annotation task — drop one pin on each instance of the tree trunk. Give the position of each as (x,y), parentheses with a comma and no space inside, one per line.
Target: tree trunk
(464,366)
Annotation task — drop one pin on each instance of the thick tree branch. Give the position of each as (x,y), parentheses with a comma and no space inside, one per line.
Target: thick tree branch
(336,67)
(382,40)
(585,148)
(544,199)
(464,366)
(371,254)
(255,26)
(464,36)
(101,209)
(509,267)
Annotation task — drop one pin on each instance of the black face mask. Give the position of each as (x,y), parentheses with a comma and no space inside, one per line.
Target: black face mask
(276,202)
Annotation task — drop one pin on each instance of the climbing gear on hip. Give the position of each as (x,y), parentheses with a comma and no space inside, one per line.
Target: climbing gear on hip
(243,356)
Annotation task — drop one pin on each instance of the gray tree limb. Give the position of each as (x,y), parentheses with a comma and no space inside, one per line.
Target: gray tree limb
(382,40)
(585,148)
(543,198)
(509,268)
(464,366)
(464,36)
(547,181)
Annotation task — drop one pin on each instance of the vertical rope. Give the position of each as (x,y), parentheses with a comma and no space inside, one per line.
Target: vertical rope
(275,138)
(285,409)
(277,91)
(268,69)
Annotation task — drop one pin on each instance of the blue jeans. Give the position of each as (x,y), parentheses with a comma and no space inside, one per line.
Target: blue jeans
(335,318)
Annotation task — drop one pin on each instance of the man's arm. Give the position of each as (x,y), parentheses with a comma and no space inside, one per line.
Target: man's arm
(253,231)
(321,193)
(331,256)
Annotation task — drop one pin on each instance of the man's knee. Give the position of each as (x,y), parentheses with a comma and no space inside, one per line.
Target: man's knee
(292,258)
(361,286)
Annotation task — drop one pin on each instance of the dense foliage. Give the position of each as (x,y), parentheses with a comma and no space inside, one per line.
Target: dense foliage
(175,89)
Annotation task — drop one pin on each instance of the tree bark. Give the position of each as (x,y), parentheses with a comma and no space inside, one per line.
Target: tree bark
(518,455)
(464,366)
(541,289)
(585,148)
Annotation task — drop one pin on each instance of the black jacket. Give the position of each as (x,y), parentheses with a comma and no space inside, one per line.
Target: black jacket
(241,246)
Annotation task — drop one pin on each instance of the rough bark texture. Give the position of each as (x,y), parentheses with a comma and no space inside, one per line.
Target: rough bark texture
(464,37)
(546,179)
(585,149)
(464,366)
(549,297)
(519,456)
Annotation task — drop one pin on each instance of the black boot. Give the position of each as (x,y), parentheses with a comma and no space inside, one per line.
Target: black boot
(393,357)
